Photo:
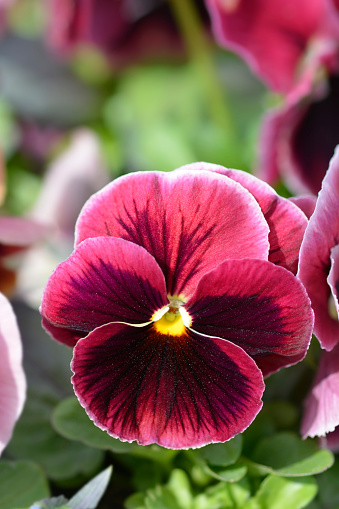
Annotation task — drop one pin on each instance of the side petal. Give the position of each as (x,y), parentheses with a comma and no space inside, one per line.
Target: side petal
(322,234)
(260,307)
(189,222)
(286,222)
(271,35)
(104,280)
(333,278)
(322,404)
(177,391)
(12,377)
(306,203)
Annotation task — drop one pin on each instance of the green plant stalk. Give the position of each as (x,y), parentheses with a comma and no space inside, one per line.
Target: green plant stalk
(202,56)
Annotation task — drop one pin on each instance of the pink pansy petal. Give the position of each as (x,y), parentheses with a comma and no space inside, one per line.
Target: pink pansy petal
(21,232)
(333,277)
(104,280)
(321,235)
(272,35)
(189,221)
(315,136)
(306,203)
(331,441)
(322,404)
(177,391)
(68,337)
(70,180)
(298,138)
(286,222)
(12,377)
(259,306)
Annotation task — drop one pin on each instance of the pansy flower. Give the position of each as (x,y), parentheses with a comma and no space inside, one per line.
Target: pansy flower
(173,309)
(319,259)
(318,270)
(12,377)
(298,138)
(126,31)
(279,40)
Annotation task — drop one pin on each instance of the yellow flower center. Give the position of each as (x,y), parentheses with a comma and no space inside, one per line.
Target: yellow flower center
(171,324)
(173,319)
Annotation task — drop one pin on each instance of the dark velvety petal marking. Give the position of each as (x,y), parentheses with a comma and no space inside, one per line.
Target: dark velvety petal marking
(287,222)
(322,404)
(190,222)
(259,306)
(177,391)
(322,234)
(104,280)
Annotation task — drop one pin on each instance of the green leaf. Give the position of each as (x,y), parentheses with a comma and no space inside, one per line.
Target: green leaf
(180,486)
(135,501)
(223,495)
(329,487)
(71,421)
(285,454)
(231,475)
(161,497)
(89,496)
(223,454)
(34,438)
(281,493)
(21,484)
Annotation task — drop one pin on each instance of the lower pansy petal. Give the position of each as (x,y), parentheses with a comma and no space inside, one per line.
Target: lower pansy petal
(259,306)
(104,280)
(178,391)
(322,404)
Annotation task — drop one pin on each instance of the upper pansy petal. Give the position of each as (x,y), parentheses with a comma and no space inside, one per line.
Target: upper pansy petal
(322,234)
(259,306)
(190,222)
(286,222)
(104,280)
(271,35)
(177,391)
(322,404)
(12,377)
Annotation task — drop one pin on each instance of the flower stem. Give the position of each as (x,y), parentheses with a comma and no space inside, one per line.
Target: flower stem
(201,54)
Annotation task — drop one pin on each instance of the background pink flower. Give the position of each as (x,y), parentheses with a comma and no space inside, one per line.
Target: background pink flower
(275,36)
(12,377)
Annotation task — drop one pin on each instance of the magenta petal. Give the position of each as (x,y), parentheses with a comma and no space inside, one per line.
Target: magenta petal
(176,391)
(259,306)
(322,404)
(322,234)
(333,277)
(190,222)
(12,377)
(306,203)
(287,223)
(21,232)
(104,280)
(272,35)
